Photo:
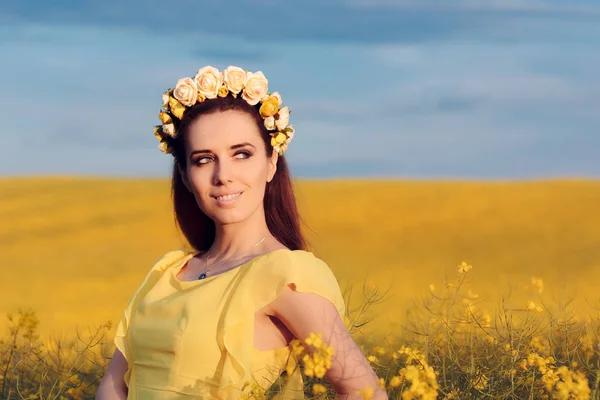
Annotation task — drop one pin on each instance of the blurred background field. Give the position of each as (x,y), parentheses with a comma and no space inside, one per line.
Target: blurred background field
(74,249)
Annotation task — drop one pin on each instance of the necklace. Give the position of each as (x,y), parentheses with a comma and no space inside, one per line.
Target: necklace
(203,275)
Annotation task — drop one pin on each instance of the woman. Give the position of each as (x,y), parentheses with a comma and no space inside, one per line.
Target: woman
(206,322)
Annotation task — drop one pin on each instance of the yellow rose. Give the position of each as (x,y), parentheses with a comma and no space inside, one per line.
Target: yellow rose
(234,78)
(185,91)
(270,123)
(208,80)
(256,87)
(282,118)
(223,91)
(177,109)
(165,118)
(280,138)
(269,107)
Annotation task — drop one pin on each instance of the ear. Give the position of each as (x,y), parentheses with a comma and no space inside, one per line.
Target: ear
(272,165)
(184,177)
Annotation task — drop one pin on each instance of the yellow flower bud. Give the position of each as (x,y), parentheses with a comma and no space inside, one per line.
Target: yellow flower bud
(157,132)
(223,91)
(269,107)
(201,97)
(318,388)
(177,109)
(165,118)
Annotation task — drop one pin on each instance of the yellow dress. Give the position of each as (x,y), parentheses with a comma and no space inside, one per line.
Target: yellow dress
(195,339)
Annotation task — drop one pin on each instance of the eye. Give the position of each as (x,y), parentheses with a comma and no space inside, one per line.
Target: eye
(202,160)
(243,154)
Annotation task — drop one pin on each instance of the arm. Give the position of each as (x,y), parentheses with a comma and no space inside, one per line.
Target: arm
(112,386)
(303,313)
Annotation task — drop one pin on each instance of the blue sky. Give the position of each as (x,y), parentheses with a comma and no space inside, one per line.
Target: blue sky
(498,89)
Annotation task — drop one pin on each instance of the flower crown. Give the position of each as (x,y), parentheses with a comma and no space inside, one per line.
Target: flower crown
(210,83)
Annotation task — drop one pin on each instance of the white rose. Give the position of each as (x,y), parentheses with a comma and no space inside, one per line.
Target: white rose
(256,87)
(165,99)
(270,123)
(234,78)
(283,118)
(208,81)
(164,147)
(169,129)
(186,92)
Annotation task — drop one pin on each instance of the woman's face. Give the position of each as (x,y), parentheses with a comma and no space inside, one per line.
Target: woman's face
(227,167)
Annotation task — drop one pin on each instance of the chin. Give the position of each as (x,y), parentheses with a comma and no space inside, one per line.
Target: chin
(226,217)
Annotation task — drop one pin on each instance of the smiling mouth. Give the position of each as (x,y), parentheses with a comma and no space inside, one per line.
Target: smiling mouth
(228,197)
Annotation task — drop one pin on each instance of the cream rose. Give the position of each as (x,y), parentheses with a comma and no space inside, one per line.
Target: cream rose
(234,78)
(289,131)
(164,147)
(282,118)
(277,96)
(256,87)
(165,99)
(270,123)
(186,92)
(208,81)
(169,129)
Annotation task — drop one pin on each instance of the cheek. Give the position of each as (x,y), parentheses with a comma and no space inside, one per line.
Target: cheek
(199,179)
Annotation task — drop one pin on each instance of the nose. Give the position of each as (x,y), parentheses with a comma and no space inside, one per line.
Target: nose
(222,173)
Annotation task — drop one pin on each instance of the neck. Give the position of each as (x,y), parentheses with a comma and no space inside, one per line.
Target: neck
(239,239)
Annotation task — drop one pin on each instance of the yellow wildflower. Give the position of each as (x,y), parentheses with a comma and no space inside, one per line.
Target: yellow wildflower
(395,381)
(373,359)
(538,284)
(297,347)
(481,382)
(318,388)
(366,393)
(531,306)
(464,268)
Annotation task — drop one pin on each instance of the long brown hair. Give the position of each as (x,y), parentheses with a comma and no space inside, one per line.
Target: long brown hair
(281,211)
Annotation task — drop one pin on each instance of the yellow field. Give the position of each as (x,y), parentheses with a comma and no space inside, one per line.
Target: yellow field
(75,249)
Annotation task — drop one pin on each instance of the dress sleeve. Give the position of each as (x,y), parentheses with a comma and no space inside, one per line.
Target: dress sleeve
(121,334)
(259,285)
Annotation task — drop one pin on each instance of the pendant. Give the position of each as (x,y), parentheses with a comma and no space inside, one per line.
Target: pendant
(202,275)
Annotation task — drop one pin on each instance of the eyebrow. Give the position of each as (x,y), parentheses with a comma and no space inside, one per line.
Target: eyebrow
(235,146)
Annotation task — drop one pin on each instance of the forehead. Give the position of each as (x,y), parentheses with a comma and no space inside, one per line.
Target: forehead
(222,129)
